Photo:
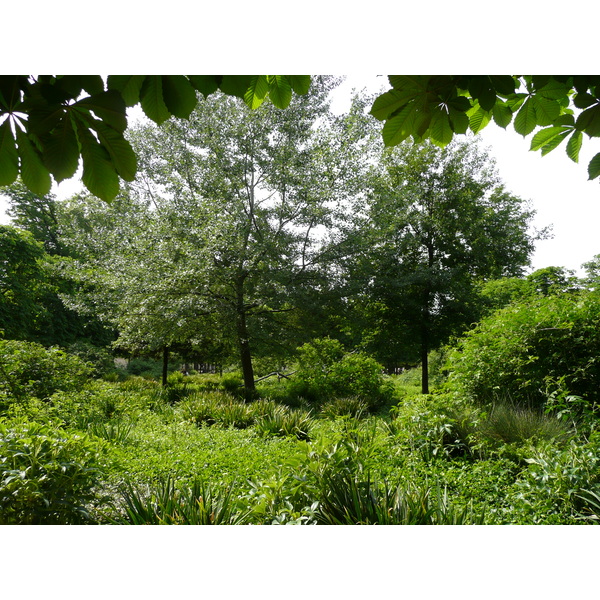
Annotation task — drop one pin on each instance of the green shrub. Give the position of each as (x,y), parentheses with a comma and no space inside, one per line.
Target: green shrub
(28,369)
(559,484)
(326,372)
(47,475)
(519,350)
(101,359)
(232,383)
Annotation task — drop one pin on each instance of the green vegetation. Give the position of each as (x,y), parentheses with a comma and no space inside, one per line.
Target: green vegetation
(280,321)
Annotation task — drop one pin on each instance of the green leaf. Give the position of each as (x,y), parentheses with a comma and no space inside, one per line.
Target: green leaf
(151,99)
(553,89)
(257,91)
(478,118)
(390,102)
(502,115)
(440,129)
(526,120)
(236,85)
(459,121)
(400,126)
(179,95)
(589,121)
(205,84)
(555,142)
(300,83)
(544,136)
(9,158)
(280,91)
(122,155)
(574,146)
(128,86)
(108,106)
(594,167)
(99,175)
(503,84)
(92,84)
(584,100)
(546,110)
(61,151)
(33,172)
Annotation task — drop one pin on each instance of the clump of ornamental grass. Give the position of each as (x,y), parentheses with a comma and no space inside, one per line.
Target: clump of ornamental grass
(353,406)
(168,504)
(283,421)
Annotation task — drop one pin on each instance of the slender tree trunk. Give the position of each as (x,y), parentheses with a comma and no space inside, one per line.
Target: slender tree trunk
(165,365)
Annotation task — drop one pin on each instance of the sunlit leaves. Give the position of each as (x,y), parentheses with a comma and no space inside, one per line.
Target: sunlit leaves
(594,167)
(574,146)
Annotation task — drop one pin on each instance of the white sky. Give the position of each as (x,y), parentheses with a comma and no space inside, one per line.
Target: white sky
(557,187)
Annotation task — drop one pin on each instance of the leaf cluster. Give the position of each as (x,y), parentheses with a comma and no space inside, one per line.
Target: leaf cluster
(438,107)
(48,123)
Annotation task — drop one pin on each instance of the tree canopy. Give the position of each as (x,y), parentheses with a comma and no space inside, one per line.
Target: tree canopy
(48,123)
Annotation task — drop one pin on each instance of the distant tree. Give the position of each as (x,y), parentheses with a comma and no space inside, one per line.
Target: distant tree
(437,222)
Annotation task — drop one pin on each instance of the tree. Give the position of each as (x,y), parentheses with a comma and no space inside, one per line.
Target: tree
(47,123)
(231,207)
(437,222)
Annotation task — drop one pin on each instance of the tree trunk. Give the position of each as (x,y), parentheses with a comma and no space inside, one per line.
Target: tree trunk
(244,343)
(165,365)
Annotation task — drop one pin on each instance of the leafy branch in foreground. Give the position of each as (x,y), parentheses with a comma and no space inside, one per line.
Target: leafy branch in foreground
(49,122)
(564,107)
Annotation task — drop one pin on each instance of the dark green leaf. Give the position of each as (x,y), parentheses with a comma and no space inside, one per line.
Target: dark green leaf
(280,91)
(502,115)
(441,131)
(487,99)
(553,89)
(460,103)
(526,120)
(44,118)
(566,119)
(179,95)
(108,106)
(33,172)
(574,146)
(236,85)
(459,121)
(257,91)
(300,83)
(151,99)
(128,86)
(388,103)
(92,84)
(594,167)
(589,121)
(584,100)
(9,158)
(503,84)
(119,150)
(205,84)
(99,175)
(61,151)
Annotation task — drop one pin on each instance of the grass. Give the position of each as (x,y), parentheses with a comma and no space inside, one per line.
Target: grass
(211,458)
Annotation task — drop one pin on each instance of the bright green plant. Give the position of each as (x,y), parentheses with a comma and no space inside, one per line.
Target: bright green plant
(326,371)
(349,407)
(29,369)
(167,504)
(516,351)
(47,475)
(284,421)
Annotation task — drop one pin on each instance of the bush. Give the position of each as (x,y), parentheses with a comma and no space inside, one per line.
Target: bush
(47,475)
(521,350)
(28,369)
(326,372)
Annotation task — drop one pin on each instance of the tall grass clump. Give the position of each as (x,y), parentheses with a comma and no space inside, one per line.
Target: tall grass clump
(167,504)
